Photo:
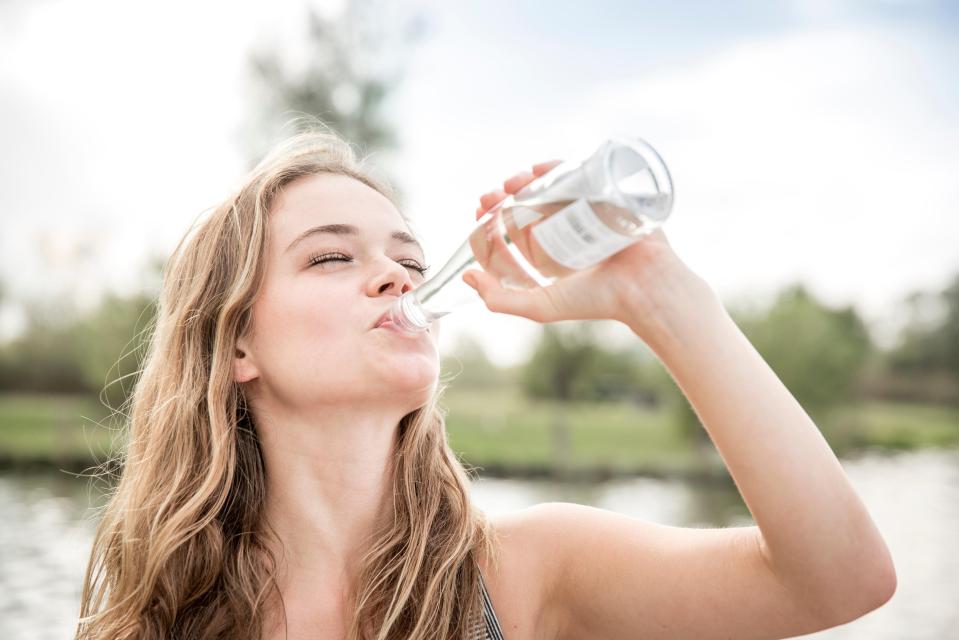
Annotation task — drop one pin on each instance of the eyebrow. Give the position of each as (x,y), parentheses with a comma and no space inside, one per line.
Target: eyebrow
(350,230)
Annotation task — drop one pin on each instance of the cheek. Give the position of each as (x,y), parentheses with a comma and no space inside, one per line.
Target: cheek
(307,339)
(296,327)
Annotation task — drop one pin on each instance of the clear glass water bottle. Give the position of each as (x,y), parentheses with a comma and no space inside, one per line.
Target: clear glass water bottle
(576,215)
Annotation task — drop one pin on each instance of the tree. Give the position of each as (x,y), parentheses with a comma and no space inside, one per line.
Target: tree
(64,351)
(930,346)
(468,366)
(112,343)
(352,63)
(949,330)
(560,361)
(923,365)
(560,358)
(45,357)
(819,353)
(570,364)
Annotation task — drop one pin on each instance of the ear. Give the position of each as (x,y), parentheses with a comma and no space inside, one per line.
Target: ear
(244,369)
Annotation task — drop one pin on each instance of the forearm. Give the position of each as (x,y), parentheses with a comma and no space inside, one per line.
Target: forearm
(816,533)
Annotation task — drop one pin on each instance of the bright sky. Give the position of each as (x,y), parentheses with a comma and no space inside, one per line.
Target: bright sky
(810,140)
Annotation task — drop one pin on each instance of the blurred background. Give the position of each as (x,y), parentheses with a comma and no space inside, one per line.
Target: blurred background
(814,147)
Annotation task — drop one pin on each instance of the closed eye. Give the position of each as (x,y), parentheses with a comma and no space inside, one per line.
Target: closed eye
(340,257)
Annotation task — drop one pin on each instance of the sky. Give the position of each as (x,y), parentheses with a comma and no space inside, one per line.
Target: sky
(813,141)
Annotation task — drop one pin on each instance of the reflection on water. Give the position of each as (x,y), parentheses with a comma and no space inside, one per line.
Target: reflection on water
(44,544)
(664,501)
(913,497)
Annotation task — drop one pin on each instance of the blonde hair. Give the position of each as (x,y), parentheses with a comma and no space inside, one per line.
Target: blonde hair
(181,549)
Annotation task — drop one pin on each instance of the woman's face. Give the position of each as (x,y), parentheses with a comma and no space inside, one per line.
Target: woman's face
(314,340)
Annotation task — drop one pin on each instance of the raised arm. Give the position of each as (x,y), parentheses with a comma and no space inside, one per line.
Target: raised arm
(815,560)
(816,534)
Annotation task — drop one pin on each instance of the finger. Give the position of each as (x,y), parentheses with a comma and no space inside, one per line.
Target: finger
(491,199)
(544,167)
(527,303)
(518,181)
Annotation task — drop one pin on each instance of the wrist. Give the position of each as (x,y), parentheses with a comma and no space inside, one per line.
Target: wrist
(668,313)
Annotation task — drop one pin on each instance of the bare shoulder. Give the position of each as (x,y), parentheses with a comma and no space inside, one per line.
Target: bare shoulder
(521,580)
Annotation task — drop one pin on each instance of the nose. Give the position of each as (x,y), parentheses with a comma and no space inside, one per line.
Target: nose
(392,278)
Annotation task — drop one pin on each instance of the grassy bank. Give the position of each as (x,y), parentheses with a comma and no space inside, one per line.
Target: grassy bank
(58,429)
(499,431)
(502,430)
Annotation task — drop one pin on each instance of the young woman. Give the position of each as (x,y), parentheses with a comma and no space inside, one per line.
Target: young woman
(287,473)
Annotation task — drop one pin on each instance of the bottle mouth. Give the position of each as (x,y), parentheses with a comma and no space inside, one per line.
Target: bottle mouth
(409,315)
(640,177)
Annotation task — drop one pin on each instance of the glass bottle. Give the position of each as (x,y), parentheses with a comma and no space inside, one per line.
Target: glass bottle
(576,215)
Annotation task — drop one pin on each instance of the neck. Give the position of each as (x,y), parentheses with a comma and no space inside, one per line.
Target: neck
(327,474)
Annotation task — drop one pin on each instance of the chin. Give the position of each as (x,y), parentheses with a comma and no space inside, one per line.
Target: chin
(411,378)
(415,378)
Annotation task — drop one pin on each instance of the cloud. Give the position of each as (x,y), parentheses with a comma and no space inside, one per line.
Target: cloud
(825,155)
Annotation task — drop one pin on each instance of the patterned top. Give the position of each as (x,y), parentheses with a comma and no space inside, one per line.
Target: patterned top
(486,628)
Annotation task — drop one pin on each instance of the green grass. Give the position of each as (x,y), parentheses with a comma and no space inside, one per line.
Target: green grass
(53,428)
(908,426)
(503,428)
(497,428)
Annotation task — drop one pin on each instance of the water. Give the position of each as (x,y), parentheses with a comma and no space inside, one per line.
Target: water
(524,246)
(574,216)
(913,497)
(44,545)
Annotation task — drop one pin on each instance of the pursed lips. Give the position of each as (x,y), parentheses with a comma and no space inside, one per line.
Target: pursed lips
(384,320)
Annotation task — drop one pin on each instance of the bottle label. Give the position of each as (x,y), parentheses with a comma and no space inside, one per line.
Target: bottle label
(576,238)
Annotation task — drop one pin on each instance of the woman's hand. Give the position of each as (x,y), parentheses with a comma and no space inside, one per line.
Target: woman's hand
(637,286)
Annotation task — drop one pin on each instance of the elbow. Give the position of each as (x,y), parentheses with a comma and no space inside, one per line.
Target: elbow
(883,580)
(875,588)
(884,585)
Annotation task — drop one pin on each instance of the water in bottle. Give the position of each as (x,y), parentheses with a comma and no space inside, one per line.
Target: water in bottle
(576,215)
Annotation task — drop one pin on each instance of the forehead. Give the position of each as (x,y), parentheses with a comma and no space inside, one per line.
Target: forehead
(331,199)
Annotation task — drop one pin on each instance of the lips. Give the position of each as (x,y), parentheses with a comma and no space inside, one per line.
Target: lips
(385,319)
(382,319)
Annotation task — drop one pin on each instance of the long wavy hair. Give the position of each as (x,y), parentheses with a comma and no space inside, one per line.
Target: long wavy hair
(182,548)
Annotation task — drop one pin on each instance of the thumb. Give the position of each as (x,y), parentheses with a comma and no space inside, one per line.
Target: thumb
(527,303)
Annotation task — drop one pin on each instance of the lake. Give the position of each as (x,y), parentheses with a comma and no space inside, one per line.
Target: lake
(913,497)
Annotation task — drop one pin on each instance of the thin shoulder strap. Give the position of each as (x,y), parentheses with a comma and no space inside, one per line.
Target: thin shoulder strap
(493,631)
